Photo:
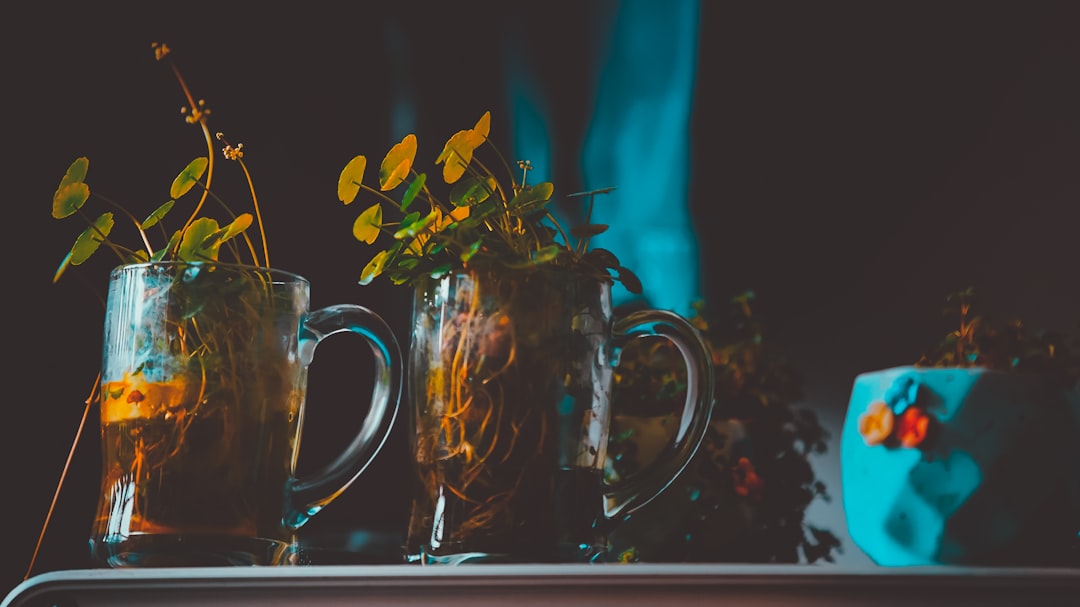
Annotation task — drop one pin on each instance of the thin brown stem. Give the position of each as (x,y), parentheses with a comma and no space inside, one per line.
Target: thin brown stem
(63,475)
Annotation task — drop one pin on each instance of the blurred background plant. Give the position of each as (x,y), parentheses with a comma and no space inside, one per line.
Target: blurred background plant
(982,341)
(744,495)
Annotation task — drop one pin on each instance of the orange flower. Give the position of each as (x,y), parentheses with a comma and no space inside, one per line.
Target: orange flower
(876,424)
(747,481)
(912,426)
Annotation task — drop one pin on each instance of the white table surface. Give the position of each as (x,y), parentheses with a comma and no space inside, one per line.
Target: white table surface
(562,585)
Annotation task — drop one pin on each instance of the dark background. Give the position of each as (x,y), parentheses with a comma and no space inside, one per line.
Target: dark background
(852,163)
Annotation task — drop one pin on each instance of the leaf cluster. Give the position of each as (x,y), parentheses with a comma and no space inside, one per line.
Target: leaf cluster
(757,388)
(480,220)
(199,238)
(980,341)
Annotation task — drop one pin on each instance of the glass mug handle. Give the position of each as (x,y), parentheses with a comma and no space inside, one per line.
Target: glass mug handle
(307,496)
(636,490)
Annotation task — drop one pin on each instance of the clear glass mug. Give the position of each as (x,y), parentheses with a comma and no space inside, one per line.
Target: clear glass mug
(202,396)
(509,393)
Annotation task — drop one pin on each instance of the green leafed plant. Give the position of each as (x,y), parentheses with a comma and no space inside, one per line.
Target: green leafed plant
(199,238)
(479,220)
(196,237)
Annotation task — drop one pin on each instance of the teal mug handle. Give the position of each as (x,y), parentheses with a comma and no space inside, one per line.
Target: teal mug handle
(308,495)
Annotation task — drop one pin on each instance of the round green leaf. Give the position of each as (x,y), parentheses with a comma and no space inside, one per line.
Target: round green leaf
(69,198)
(413,190)
(546,254)
(588,230)
(413,224)
(76,171)
(408,262)
(531,199)
(72,192)
(91,238)
(188,177)
(472,191)
(198,242)
(157,215)
(440,271)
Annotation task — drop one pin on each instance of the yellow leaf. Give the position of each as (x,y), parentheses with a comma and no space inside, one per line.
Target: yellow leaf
(459,213)
(367,225)
(374,267)
(397,164)
(396,176)
(456,155)
(479,133)
(348,185)
(238,225)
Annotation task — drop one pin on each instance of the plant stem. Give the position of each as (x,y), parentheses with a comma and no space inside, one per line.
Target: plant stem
(63,475)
